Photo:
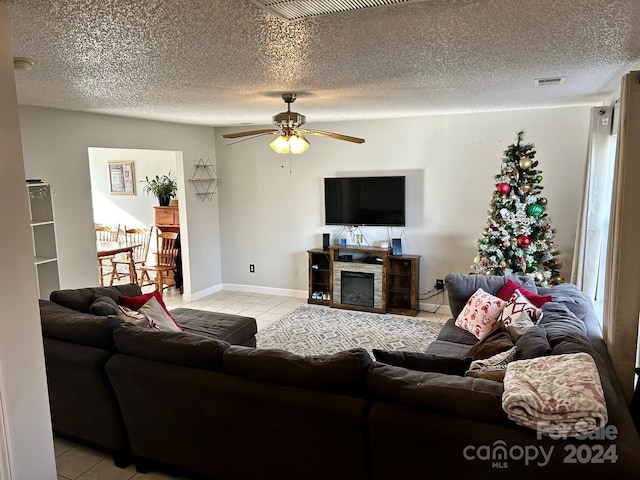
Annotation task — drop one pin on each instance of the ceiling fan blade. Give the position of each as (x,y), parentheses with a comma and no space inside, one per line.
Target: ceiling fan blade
(250,132)
(252,137)
(337,136)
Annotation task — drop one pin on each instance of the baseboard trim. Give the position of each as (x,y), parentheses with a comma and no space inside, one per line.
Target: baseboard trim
(285,292)
(435,308)
(202,293)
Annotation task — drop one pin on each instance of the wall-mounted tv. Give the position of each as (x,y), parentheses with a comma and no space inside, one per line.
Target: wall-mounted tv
(374,201)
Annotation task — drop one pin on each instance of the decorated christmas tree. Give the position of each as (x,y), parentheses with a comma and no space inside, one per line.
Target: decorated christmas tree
(518,238)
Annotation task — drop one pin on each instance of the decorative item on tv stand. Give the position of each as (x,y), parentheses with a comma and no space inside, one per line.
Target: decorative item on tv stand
(205,179)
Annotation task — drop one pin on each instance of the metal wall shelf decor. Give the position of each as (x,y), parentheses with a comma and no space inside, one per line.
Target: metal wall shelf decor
(205,179)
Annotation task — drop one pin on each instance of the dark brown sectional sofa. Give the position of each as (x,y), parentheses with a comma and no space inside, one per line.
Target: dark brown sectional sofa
(204,406)
(78,344)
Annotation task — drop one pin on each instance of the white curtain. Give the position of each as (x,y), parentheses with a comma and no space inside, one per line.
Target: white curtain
(622,294)
(596,202)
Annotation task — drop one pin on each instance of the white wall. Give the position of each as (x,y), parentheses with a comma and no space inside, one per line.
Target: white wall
(56,144)
(26,441)
(270,217)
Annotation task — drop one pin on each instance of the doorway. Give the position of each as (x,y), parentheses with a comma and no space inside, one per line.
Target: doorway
(131,208)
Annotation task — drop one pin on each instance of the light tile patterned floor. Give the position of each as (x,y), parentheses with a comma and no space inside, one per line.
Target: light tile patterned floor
(77,462)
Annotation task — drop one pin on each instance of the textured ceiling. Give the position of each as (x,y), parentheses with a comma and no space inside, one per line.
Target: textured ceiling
(226,62)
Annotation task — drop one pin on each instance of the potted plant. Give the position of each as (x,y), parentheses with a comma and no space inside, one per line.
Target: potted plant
(162,186)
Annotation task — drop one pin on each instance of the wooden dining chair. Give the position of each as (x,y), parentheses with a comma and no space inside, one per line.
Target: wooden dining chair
(106,233)
(128,265)
(165,267)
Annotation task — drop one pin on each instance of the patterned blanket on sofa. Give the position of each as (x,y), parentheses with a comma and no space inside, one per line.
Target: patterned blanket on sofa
(556,394)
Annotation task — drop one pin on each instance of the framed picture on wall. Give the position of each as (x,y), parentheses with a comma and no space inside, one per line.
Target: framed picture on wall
(122,178)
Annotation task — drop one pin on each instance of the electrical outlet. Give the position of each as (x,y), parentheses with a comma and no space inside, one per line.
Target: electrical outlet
(295,272)
(439,284)
(252,268)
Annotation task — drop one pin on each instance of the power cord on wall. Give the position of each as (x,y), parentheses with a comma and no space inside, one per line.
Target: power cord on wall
(437,290)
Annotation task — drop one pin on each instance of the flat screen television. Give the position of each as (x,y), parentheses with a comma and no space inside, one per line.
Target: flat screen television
(373,201)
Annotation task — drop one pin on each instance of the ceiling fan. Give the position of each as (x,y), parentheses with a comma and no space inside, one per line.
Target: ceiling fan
(291,138)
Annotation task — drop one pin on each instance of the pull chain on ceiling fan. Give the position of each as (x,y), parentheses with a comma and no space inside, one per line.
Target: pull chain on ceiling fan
(291,138)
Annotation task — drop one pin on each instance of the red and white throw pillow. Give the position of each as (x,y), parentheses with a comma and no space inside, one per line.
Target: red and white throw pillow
(507,290)
(132,316)
(480,314)
(518,304)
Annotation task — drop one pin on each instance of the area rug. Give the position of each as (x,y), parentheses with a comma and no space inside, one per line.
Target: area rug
(313,330)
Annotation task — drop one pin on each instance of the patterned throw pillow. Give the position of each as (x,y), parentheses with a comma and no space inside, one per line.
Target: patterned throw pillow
(492,368)
(518,304)
(132,316)
(480,314)
(158,317)
(511,286)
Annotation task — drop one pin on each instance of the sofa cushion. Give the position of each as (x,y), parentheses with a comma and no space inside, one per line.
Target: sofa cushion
(178,348)
(533,343)
(480,313)
(466,397)
(516,306)
(424,362)
(342,372)
(69,325)
(497,340)
(510,287)
(444,348)
(571,297)
(235,329)
(460,287)
(565,332)
(80,299)
(451,333)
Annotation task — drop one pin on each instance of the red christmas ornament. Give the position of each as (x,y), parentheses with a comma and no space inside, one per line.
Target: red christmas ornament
(524,241)
(503,188)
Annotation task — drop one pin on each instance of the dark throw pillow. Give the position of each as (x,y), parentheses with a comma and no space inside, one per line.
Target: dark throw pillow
(104,306)
(497,341)
(423,362)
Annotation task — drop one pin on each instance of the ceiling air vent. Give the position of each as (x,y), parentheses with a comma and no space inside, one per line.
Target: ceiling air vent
(300,9)
(544,82)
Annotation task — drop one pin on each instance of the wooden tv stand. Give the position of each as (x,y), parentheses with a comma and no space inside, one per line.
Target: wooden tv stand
(395,278)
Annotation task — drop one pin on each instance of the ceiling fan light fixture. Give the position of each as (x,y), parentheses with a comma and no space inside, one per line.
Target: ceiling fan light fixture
(298,144)
(280,145)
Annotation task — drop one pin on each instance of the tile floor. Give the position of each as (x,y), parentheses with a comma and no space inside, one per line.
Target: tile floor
(77,462)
